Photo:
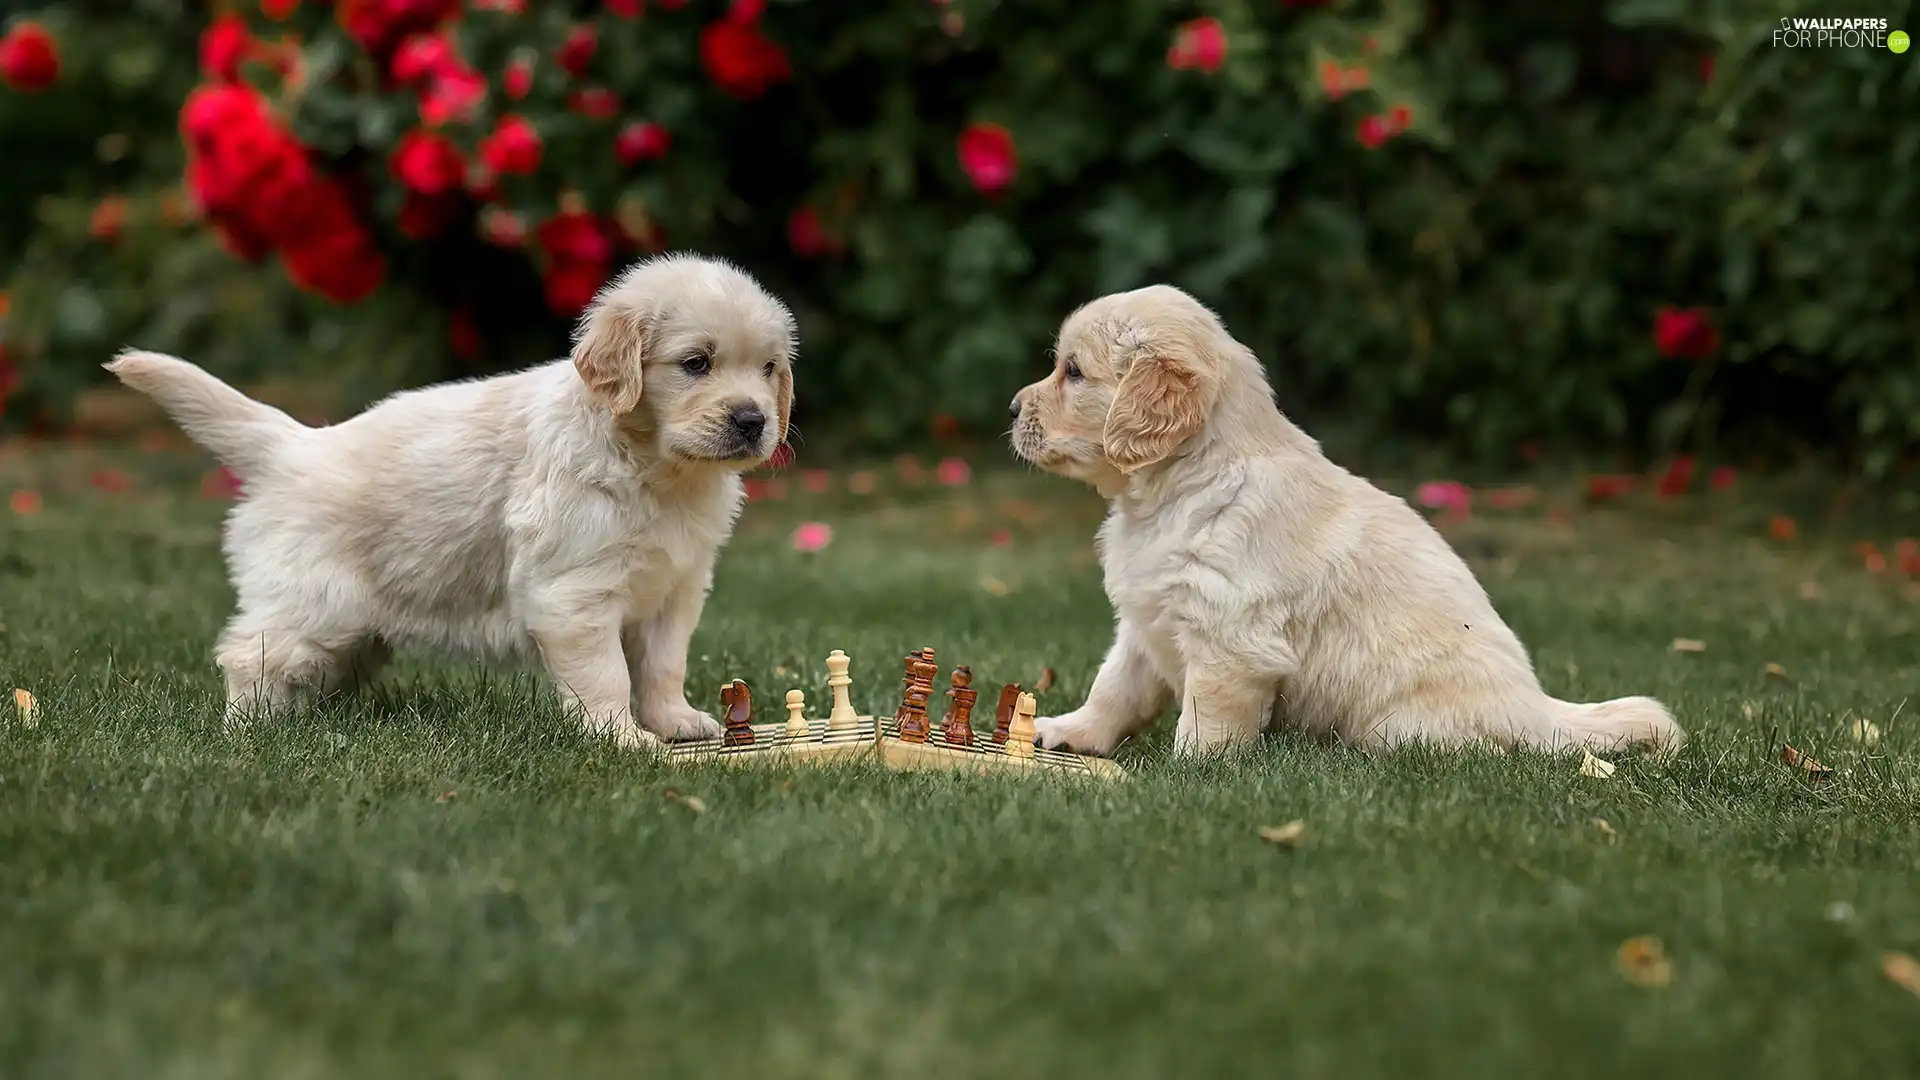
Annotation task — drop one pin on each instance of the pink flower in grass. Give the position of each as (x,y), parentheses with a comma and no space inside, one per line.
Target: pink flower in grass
(1450,496)
(953,471)
(812,536)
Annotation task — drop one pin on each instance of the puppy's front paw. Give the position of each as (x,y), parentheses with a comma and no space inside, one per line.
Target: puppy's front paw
(1077,731)
(679,722)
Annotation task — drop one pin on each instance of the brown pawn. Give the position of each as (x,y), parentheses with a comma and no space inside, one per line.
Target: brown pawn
(738,701)
(959,727)
(1003,715)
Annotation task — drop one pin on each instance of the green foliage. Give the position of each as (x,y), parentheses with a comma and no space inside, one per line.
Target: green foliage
(1489,276)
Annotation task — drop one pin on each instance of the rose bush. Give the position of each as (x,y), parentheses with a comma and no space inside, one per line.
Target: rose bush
(1495,224)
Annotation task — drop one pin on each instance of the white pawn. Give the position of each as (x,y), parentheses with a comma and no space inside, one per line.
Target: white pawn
(1020,732)
(841,718)
(796,715)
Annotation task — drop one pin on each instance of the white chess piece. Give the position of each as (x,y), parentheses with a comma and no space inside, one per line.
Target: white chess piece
(1020,732)
(796,715)
(841,718)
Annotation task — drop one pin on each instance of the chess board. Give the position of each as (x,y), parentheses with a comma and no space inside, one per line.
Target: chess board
(908,741)
(879,740)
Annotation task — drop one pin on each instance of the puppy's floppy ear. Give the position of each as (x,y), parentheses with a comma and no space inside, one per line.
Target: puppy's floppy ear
(784,397)
(608,352)
(1162,400)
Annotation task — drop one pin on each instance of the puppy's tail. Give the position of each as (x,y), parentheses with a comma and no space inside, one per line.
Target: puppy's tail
(241,432)
(1614,725)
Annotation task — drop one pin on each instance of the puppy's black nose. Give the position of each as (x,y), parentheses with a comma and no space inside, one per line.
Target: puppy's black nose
(1013,410)
(748,422)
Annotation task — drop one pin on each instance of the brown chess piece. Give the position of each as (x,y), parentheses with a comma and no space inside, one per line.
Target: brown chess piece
(959,726)
(911,718)
(738,701)
(1003,715)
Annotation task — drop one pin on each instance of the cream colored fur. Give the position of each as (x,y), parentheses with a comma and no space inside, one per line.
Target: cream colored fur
(1254,580)
(570,512)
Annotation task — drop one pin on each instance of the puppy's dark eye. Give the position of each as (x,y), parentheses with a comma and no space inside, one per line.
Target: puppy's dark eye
(1073,371)
(771,368)
(697,364)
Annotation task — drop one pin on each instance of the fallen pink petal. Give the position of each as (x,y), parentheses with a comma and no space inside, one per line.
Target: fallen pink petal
(812,536)
(1448,495)
(816,481)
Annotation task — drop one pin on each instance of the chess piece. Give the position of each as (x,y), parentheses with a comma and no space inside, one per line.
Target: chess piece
(1003,715)
(738,701)
(796,715)
(841,718)
(1020,732)
(959,727)
(911,720)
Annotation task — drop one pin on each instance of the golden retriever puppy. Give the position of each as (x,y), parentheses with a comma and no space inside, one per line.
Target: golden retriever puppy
(570,512)
(1252,579)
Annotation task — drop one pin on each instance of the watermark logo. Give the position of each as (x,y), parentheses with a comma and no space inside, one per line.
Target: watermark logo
(1826,33)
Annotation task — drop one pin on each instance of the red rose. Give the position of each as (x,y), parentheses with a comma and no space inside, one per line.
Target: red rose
(570,286)
(279,10)
(1374,131)
(1678,477)
(987,156)
(223,46)
(806,235)
(343,267)
(740,60)
(453,95)
(1399,118)
(513,148)
(575,237)
(463,335)
(627,9)
(641,141)
(518,79)
(1198,44)
(1684,333)
(380,25)
(428,163)
(594,103)
(746,11)
(213,108)
(28,62)
(421,56)
(576,52)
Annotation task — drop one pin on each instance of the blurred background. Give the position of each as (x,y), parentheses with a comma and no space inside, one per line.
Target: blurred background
(1627,231)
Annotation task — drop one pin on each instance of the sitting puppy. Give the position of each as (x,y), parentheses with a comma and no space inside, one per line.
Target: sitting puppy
(1251,577)
(571,511)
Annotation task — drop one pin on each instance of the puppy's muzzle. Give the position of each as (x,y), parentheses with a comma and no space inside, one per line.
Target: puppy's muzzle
(745,426)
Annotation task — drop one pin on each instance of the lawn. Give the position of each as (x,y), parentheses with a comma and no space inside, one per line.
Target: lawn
(443,878)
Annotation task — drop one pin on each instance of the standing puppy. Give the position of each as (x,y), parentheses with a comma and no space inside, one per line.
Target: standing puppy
(572,511)
(1251,577)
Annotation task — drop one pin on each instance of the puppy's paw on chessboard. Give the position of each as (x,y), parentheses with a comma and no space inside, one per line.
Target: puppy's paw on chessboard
(680,722)
(1078,731)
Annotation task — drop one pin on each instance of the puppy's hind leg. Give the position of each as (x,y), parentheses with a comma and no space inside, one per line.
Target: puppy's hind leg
(271,669)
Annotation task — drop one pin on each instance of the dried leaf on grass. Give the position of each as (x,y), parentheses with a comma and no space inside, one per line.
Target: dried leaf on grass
(1902,970)
(1865,731)
(27,707)
(691,802)
(447,796)
(995,586)
(1605,829)
(1794,759)
(1045,682)
(1688,645)
(1288,836)
(1643,962)
(1598,768)
(1775,671)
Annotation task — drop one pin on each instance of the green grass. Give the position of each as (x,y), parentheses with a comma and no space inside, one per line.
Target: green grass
(444,878)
